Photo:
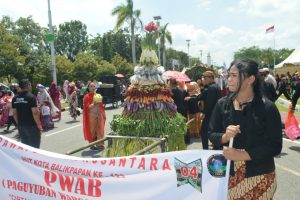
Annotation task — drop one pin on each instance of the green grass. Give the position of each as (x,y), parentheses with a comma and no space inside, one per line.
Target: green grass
(283,97)
(281,108)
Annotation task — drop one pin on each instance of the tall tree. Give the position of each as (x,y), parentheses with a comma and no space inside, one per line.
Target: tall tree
(264,57)
(64,69)
(71,39)
(125,13)
(180,56)
(30,32)
(37,60)
(85,67)
(122,66)
(164,35)
(11,59)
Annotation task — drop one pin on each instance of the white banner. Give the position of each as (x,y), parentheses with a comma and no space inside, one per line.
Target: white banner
(32,174)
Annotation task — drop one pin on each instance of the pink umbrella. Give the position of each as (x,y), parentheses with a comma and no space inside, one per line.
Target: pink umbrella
(177,75)
(120,75)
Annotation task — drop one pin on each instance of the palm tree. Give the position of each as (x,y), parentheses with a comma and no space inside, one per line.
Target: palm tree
(164,36)
(126,13)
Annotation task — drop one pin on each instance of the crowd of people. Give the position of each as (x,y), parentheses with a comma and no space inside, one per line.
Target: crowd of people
(238,104)
(38,113)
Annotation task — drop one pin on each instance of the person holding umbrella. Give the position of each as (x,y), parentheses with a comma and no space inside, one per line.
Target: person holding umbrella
(254,123)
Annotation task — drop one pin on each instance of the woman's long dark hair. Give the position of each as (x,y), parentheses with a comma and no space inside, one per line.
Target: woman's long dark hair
(246,68)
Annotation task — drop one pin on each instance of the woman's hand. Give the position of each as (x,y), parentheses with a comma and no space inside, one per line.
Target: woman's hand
(235,154)
(231,132)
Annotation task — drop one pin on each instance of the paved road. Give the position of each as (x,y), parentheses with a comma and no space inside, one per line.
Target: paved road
(67,135)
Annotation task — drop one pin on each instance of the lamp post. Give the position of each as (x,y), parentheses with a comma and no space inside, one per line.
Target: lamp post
(188,45)
(157,18)
(51,40)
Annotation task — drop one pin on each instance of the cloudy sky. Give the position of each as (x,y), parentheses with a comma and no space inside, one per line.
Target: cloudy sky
(218,27)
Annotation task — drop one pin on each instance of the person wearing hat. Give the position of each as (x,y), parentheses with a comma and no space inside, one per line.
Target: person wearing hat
(210,96)
(193,111)
(27,115)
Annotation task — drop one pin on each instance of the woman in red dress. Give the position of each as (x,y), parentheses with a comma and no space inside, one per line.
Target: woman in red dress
(93,117)
(55,95)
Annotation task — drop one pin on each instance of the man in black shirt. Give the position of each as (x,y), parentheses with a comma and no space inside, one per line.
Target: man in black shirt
(27,115)
(210,95)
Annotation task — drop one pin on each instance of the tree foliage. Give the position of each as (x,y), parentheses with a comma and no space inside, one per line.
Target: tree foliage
(64,69)
(164,36)
(11,60)
(110,43)
(126,13)
(264,57)
(105,68)
(71,39)
(121,65)
(85,67)
(30,33)
(181,56)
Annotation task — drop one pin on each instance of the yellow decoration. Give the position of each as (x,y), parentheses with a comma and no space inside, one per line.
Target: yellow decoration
(97,98)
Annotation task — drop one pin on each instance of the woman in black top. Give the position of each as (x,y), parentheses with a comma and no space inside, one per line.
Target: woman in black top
(254,123)
(193,111)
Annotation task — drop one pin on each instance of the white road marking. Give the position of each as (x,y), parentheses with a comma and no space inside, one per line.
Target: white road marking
(288,169)
(63,130)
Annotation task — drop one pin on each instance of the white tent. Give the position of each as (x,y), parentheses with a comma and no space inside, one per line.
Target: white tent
(294,58)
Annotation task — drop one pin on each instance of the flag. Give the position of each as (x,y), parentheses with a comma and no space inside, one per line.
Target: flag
(270,29)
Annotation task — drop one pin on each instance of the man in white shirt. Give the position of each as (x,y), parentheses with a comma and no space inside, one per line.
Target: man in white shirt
(269,78)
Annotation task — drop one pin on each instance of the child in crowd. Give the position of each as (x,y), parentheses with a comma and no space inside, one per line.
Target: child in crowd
(46,115)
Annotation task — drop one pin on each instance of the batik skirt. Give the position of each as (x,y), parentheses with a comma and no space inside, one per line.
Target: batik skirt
(260,187)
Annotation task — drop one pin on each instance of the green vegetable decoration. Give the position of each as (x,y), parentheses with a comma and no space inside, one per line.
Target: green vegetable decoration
(149,110)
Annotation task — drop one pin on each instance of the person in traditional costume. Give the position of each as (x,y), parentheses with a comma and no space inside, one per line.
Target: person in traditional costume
(93,117)
(254,123)
(66,90)
(3,107)
(55,95)
(43,96)
(73,101)
(11,119)
(193,111)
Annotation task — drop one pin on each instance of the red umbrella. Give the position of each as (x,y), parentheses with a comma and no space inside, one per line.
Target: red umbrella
(120,75)
(179,76)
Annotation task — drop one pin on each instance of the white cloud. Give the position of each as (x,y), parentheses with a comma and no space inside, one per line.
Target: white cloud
(204,4)
(269,8)
(214,42)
